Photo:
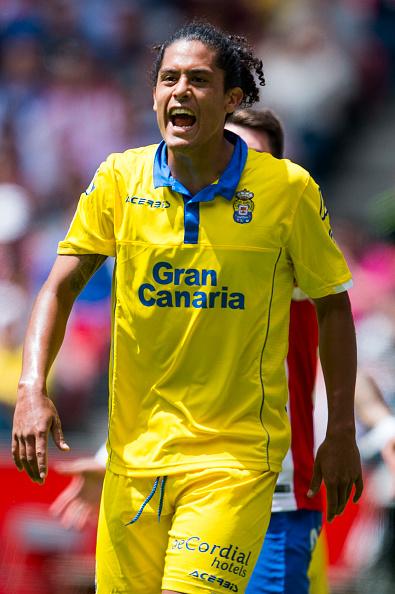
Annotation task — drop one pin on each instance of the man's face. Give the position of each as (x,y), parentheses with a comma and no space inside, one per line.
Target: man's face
(189,96)
(256,139)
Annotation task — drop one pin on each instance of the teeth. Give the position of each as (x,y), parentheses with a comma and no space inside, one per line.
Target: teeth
(181,111)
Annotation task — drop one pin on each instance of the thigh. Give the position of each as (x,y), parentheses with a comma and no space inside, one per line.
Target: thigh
(283,563)
(217,531)
(130,558)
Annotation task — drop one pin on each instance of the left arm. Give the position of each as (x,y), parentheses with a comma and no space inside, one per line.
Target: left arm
(337,461)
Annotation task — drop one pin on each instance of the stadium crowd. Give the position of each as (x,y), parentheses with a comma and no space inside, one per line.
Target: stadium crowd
(71,93)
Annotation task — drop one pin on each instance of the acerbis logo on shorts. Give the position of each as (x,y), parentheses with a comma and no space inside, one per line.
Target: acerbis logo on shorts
(213,579)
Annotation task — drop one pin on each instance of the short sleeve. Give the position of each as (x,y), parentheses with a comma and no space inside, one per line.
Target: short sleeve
(319,266)
(92,228)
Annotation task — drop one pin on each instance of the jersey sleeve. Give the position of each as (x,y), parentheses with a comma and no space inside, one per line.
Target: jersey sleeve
(92,228)
(319,266)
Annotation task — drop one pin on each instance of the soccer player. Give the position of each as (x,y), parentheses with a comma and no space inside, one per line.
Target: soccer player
(296,520)
(208,238)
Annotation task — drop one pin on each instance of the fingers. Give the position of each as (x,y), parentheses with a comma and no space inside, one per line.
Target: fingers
(57,434)
(338,496)
(343,493)
(15,453)
(27,457)
(31,457)
(332,501)
(41,455)
(33,419)
(358,489)
(316,481)
(30,454)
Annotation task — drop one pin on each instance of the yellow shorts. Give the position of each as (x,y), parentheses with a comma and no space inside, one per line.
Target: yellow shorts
(210,532)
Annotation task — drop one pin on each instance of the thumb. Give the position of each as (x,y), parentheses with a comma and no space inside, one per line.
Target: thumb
(57,434)
(315,482)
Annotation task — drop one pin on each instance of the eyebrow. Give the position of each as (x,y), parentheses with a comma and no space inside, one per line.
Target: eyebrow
(205,71)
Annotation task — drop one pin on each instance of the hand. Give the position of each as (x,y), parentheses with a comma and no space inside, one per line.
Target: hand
(78,504)
(35,416)
(338,464)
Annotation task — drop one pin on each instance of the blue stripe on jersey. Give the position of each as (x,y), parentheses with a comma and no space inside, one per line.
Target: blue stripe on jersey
(191,221)
(226,185)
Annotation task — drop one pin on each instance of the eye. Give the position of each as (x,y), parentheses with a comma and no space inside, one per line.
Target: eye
(198,80)
(168,78)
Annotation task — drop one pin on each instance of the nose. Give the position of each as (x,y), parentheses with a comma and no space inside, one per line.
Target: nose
(181,90)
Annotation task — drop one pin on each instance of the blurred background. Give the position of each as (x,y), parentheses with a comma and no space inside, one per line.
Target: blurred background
(73,88)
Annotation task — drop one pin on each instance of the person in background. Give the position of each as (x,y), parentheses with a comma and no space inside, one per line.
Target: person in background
(296,520)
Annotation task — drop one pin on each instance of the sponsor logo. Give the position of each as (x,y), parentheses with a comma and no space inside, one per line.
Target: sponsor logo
(203,280)
(230,558)
(213,579)
(147,202)
(243,206)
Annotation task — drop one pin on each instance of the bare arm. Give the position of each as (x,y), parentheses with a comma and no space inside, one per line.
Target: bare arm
(35,414)
(338,462)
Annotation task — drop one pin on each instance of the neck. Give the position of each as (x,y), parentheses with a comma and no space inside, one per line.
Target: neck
(196,169)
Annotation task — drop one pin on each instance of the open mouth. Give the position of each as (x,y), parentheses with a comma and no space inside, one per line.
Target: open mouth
(182,117)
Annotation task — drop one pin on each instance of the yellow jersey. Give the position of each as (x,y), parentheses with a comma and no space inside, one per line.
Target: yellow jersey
(201,297)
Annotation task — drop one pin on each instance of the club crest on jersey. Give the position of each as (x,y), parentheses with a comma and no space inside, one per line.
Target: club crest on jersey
(243,206)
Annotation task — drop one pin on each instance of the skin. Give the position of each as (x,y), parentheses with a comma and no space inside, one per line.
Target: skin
(189,78)
(197,155)
(337,462)
(35,414)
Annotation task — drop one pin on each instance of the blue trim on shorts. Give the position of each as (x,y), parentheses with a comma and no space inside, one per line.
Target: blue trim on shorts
(285,556)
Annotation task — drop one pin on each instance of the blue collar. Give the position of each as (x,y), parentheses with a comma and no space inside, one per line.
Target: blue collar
(227,183)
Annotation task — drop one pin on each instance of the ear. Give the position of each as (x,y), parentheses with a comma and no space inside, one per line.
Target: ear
(154,98)
(234,97)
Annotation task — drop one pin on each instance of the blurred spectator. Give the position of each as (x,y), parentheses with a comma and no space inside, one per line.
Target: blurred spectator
(71,92)
(15,217)
(81,118)
(301,52)
(13,311)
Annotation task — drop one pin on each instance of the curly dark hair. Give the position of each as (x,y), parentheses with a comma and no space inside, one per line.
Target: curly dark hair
(234,56)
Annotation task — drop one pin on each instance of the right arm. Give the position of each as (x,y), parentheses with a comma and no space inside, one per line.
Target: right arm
(35,414)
